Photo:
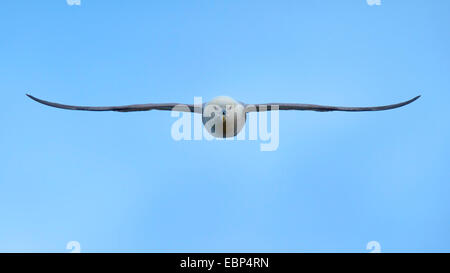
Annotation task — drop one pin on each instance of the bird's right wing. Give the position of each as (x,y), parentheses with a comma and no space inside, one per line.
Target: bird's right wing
(125,108)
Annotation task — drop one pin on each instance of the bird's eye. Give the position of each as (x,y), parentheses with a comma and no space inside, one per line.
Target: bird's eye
(216,108)
(229,107)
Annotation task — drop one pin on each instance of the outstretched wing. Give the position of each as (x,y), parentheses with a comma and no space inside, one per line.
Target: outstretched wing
(125,108)
(322,108)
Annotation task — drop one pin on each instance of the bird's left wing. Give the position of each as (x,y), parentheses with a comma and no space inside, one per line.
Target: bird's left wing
(125,108)
(321,108)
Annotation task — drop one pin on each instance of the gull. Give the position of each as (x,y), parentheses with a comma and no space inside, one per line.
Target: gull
(223,116)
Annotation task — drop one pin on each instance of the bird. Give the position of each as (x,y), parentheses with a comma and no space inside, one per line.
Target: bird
(223,116)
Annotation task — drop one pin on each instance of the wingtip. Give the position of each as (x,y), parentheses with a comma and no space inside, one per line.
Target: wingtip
(31,97)
(415,98)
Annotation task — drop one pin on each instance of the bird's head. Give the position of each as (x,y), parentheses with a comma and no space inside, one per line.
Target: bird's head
(223,116)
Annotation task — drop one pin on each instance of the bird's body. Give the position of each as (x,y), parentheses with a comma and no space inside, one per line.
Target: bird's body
(223,116)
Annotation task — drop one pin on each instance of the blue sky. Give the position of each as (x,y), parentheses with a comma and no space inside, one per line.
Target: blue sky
(118,182)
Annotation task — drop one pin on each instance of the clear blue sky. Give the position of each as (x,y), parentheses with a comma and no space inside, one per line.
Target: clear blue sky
(119,182)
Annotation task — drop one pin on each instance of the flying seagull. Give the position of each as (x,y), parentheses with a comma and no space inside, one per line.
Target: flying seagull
(223,116)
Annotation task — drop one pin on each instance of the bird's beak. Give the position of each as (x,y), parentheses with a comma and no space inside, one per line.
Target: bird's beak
(224,119)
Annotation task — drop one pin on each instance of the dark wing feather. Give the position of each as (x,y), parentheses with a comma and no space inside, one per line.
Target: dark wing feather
(124,108)
(322,108)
